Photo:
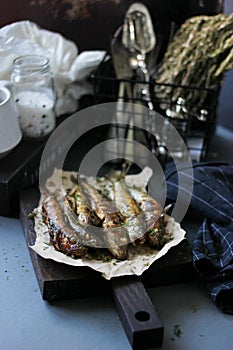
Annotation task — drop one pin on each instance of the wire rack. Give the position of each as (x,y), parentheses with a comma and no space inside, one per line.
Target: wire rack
(198,122)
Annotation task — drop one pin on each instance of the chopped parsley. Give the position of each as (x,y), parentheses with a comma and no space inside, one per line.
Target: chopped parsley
(177,330)
(31,215)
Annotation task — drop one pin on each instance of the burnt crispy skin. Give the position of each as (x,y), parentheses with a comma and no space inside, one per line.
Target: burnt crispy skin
(62,236)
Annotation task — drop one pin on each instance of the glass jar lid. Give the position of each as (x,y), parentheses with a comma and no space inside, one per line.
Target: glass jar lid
(32,64)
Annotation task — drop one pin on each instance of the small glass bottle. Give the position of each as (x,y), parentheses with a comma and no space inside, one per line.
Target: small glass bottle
(178,117)
(33,90)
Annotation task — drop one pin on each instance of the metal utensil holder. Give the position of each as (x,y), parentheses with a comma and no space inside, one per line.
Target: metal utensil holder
(198,126)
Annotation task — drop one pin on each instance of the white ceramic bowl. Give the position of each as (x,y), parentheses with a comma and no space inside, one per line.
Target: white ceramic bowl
(10,133)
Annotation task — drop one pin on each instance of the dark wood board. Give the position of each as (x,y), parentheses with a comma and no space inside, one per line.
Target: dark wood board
(59,281)
(20,170)
(137,313)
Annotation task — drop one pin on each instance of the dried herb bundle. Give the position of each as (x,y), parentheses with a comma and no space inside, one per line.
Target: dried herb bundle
(199,54)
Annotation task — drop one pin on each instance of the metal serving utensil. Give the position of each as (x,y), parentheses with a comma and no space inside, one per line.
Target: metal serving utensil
(138,33)
(123,70)
(139,38)
(124,74)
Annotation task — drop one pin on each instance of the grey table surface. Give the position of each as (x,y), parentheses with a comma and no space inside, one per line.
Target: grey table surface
(28,322)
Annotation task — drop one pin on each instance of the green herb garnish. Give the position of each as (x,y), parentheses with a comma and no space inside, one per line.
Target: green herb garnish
(177,330)
(195,308)
(31,215)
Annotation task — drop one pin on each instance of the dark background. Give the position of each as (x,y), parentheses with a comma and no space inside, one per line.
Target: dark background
(93,28)
(91,25)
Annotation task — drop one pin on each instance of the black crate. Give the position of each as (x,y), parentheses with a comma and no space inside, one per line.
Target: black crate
(196,133)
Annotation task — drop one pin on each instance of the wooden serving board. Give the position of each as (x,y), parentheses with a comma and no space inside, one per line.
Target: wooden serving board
(138,315)
(59,281)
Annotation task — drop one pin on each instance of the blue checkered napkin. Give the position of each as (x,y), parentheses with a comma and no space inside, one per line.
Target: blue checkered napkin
(213,259)
(212,191)
(212,197)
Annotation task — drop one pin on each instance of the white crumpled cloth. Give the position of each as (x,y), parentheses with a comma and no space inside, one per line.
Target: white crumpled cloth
(70,69)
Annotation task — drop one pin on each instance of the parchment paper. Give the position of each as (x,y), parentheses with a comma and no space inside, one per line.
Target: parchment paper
(140,257)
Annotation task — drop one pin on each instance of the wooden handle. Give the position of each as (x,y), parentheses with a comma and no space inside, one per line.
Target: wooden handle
(137,313)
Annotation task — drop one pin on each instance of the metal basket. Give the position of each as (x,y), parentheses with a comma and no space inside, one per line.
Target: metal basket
(197,127)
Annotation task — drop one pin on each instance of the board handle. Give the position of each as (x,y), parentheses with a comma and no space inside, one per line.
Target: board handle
(137,313)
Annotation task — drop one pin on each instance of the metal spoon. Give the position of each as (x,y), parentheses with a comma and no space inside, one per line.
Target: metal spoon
(123,72)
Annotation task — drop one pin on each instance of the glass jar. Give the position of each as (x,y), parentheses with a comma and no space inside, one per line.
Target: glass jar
(33,91)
